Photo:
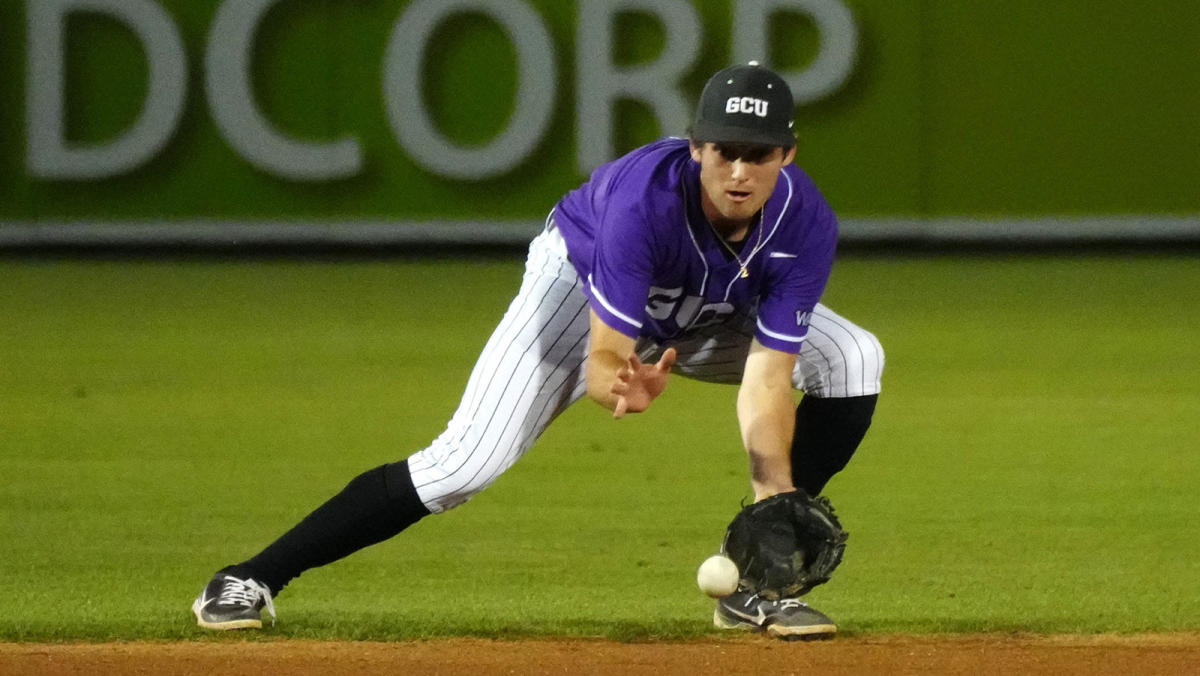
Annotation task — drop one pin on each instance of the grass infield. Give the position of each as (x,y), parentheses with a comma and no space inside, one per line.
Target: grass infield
(1033,465)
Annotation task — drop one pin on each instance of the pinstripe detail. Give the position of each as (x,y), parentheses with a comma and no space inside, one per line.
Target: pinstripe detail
(516,387)
(824,386)
(502,397)
(566,376)
(836,359)
(852,357)
(526,440)
(508,361)
(812,356)
(491,357)
(536,424)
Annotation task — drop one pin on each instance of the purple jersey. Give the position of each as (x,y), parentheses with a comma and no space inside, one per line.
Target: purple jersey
(652,265)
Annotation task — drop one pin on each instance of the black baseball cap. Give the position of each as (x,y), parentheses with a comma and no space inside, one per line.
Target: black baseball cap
(745,104)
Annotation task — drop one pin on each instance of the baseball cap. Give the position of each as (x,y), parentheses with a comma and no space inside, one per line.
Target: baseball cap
(745,104)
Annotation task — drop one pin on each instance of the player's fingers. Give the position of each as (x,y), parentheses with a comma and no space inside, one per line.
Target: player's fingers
(667,361)
(634,362)
(619,387)
(620,408)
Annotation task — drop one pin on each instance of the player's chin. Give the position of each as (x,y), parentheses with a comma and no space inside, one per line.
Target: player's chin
(738,211)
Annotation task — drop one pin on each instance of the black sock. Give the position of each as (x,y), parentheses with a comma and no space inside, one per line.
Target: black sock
(374,506)
(828,431)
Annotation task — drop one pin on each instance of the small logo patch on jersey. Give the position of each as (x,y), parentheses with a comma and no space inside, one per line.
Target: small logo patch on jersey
(746,104)
(803,318)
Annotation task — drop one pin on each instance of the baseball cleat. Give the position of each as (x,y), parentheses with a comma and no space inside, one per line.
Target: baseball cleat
(229,602)
(788,619)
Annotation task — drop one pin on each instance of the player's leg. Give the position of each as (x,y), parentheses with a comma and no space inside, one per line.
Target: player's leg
(839,368)
(373,507)
(530,370)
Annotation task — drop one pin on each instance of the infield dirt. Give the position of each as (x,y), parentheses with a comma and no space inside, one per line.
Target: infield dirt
(988,654)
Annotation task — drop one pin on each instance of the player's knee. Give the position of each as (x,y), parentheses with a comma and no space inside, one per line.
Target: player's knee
(453,470)
(870,354)
(851,367)
(440,486)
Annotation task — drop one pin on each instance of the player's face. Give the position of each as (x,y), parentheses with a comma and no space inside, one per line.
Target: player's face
(736,184)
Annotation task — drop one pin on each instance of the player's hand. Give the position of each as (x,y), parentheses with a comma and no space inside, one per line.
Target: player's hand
(639,384)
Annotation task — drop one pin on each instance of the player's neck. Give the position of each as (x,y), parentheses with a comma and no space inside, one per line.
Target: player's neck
(732,230)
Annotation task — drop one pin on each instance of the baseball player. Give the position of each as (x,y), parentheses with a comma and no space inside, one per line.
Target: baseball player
(704,257)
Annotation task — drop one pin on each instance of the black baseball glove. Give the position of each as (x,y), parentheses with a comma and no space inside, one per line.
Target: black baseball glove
(785,545)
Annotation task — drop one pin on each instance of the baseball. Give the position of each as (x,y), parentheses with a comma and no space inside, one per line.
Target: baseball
(718,576)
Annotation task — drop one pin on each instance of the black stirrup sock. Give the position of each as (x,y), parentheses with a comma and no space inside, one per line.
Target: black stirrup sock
(374,506)
(828,431)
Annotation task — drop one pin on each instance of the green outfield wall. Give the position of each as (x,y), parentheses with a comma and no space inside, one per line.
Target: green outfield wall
(469,118)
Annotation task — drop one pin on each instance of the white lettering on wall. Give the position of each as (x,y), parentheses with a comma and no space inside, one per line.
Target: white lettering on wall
(836,54)
(49,155)
(536,88)
(599,84)
(231,100)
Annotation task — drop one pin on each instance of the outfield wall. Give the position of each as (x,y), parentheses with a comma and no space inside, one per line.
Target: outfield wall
(465,120)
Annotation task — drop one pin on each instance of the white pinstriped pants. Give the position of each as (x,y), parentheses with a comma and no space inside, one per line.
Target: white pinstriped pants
(532,368)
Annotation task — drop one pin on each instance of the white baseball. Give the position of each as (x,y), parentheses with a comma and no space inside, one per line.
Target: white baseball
(717,576)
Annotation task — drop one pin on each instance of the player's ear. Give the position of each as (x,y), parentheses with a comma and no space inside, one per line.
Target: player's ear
(696,150)
(789,155)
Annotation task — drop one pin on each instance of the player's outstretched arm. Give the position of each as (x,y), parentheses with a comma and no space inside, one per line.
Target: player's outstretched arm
(616,378)
(766,416)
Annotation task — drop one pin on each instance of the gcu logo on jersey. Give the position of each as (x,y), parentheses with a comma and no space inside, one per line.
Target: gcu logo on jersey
(690,312)
(746,104)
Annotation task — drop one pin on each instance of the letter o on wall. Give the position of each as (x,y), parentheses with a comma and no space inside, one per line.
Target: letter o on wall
(403,67)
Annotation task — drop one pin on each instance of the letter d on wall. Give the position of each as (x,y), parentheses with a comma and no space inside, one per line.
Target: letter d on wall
(49,156)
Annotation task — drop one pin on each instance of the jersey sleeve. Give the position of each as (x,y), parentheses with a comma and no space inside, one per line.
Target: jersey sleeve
(622,265)
(796,284)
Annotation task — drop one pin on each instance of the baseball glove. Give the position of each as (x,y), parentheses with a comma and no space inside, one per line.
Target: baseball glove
(785,545)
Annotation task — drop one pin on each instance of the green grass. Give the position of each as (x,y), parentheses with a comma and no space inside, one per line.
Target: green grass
(1033,466)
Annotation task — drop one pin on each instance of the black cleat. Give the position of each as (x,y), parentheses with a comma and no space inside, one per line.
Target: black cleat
(788,619)
(230,602)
